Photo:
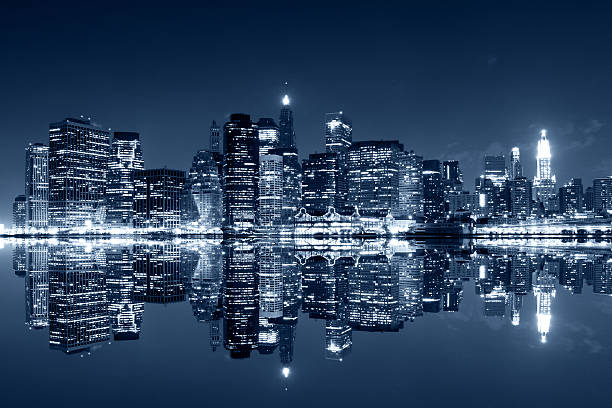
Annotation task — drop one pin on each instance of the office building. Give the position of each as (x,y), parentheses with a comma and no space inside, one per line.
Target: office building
(410,185)
(373,177)
(520,197)
(338,132)
(240,172)
(319,183)
(270,190)
(19,211)
(37,185)
(78,160)
(571,197)
(125,159)
(202,201)
(602,195)
(269,135)
(516,169)
(433,191)
(495,169)
(157,201)
(215,138)
(292,183)
(544,181)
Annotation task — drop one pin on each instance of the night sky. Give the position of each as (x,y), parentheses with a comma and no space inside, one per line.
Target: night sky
(450,80)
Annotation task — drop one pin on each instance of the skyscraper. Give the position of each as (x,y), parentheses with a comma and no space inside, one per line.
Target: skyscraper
(544,181)
(270,190)
(571,197)
(78,158)
(37,285)
(516,169)
(215,138)
(410,185)
(285,124)
(495,169)
(520,197)
(125,159)
(202,202)
(240,172)
(19,211)
(292,183)
(338,132)
(433,192)
(452,176)
(602,194)
(373,177)
(157,200)
(269,135)
(37,185)
(319,183)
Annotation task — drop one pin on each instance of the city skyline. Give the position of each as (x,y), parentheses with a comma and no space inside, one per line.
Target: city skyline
(489,98)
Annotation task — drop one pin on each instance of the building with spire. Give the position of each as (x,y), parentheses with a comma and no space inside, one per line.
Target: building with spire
(544,181)
(285,124)
(516,169)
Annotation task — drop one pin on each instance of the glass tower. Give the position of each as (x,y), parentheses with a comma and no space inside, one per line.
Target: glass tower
(37,185)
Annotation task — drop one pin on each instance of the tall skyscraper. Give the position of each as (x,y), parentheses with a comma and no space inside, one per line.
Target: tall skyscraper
(410,185)
(338,132)
(269,135)
(202,202)
(270,190)
(602,194)
(240,172)
(373,177)
(215,138)
(292,183)
(37,185)
(571,197)
(516,169)
(520,197)
(433,191)
(157,200)
(19,211)
(285,124)
(452,176)
(319,183)
(495,169)
(78,159)
(544,181)
(125,159)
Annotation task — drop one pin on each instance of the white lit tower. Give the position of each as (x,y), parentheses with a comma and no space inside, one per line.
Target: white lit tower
(544,181)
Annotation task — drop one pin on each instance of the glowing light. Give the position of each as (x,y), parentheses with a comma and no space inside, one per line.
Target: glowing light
(286,371)
(286,100)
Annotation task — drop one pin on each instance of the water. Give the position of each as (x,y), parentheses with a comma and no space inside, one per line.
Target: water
(305,323)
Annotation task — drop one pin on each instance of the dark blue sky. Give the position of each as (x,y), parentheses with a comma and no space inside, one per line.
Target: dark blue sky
(451,80)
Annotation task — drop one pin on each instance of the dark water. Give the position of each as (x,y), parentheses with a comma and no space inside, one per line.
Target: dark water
(304,323)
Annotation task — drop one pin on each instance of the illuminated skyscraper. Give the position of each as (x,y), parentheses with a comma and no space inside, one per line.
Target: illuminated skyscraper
(205,285)
(338,132)
(37,185)
(602,195)
(516,169)
(495,169)
(373,177)
(240,172)
(215,138)
(269,135)
(452,176)
(520,197)
(285,124)
(19,211)
(433,191)
(202,204)
(292,183)
(544,181)
(125,311)
(78,160)
(125,159)
(270,190)
(410,185)
(270,280)
(157,200)
(544,291)
(319,183)
(571,197)
(338,339)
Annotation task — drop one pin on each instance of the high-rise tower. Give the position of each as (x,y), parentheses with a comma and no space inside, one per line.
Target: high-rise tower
(285,124)
(338,132)
(215,138)
(516,169)
(37,185)
(544,181)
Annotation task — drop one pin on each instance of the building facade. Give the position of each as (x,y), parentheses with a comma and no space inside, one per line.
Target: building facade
(319,183)
(433,191)
(125,159)
(19,211)
(202,202)
(215,138)
(338,132)
(410,185)
(544,181)
(37,185)
(270,190)
(157,201)
(78,159)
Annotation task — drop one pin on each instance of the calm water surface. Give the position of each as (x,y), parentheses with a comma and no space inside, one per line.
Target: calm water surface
(304,323)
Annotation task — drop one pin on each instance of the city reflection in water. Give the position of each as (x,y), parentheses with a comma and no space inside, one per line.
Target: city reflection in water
(250,293)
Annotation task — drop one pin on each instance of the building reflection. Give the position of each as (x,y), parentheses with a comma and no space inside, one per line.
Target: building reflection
(251,293)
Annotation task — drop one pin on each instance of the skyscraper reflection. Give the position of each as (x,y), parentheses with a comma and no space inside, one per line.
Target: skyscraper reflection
(126,312)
